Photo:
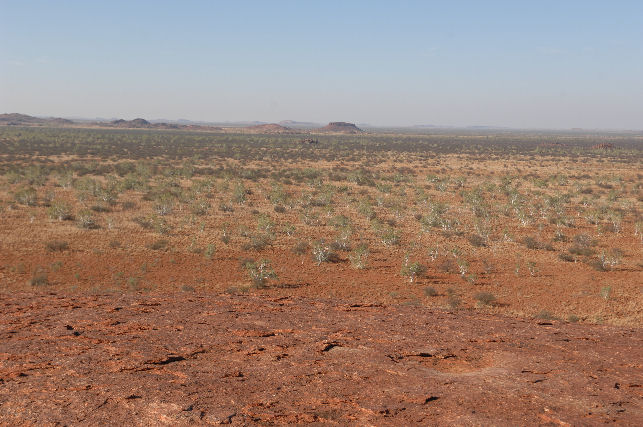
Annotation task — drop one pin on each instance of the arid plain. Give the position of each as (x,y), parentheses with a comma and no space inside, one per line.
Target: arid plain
(482,274)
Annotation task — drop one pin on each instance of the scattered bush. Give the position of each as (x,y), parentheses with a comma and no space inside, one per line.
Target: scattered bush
(301,248)
(359,256)
(390,236)
(57,246)
(86,220)
(224,207)
(26,196)
(412,270)
(430,291)
(158,245)
(448,265)
(477,240)
(584,241)
(533,243)
(101,208)
(164,204)
(209,251)
(453,301)
(322,252)
(606,292)
(581,251)
(39,278)
(59,210)
(200,207)
(259,272)
(128,206)
(485,298)
(566,257)
(545,315)
(559,236)
(258,242)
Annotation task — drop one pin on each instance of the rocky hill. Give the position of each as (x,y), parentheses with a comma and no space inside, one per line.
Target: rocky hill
(16,119)
(140,124)
(340,127)
(269,128)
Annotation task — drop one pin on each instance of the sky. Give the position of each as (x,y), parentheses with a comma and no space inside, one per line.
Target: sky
(522,64)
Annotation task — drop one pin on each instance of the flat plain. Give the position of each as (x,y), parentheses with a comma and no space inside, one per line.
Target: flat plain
(452,273)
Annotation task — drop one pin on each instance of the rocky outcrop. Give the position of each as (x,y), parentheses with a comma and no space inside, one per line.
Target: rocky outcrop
(340,127)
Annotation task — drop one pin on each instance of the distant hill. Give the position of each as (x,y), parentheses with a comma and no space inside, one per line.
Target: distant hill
(140,123)
(424,126)
(156,124)
(16,119)
(301,125)
(340,127)
(269,128)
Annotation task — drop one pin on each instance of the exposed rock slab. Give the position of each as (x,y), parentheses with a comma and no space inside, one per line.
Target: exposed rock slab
(178,359)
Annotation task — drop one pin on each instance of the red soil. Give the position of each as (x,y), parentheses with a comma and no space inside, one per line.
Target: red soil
(186,358)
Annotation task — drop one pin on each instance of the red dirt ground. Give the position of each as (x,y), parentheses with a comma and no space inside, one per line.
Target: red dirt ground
(184,358)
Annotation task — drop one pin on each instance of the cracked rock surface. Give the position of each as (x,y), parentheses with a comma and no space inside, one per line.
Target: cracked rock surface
(181,359)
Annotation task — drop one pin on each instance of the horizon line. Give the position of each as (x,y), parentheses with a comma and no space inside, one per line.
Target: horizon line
(416,126)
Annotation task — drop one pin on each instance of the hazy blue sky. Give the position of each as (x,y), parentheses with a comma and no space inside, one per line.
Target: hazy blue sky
(556,64)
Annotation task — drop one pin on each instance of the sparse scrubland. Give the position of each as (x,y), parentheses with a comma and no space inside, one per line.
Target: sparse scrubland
(514,223)
(445,278)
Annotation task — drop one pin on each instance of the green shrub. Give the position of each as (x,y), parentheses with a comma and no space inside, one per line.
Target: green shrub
(359,256)
(322,252)
(611,258)
(59,210)
(259,272)
(26,196)
(239,193)
(164,204)
(390,236)
(200,207)
(412,270)
(209,251)
(86,219)
(258,242)
(225,235)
